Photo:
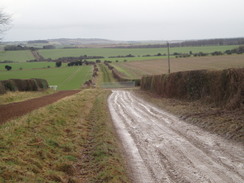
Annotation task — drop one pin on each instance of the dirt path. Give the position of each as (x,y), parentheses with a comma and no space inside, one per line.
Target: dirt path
(37,56)
(10,111)
(161,148)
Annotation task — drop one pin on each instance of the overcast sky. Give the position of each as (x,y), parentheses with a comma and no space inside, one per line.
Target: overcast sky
(124,19)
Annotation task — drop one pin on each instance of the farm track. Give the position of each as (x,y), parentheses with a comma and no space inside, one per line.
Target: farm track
(13,110)
(161,148)
(36,55)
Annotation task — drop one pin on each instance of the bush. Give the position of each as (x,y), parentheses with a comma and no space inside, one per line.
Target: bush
(58,64)
(8,68)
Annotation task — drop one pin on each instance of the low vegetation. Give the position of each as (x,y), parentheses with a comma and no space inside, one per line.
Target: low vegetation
(107,75)
(17,96)
(69,141)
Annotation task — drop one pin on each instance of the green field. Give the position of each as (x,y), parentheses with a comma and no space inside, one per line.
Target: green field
(106,52)
(22,56)
(28,65)
(16,56)
(67,78)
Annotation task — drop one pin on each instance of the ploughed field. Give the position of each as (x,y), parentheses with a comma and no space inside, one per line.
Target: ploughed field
(152,67)
(12,110)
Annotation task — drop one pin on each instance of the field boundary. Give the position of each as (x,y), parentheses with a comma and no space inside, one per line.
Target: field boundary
(120,76)
(223,88)
(13,110)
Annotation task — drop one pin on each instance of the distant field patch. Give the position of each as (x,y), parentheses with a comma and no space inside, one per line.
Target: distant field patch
(16,56)
(152,67)
(137,52)
(28,65)
(67,78)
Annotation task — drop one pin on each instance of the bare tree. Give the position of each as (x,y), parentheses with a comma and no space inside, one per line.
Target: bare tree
(4,22)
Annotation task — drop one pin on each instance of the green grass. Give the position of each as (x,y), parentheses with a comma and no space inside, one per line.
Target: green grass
(21,56)
(129,59)
(28,65)
(67,78)
(106,52)
(69,141)
(125,71)
(107,75)
(16,56)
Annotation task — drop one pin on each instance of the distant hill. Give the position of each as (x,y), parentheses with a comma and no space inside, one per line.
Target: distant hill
(81,41)
(185,43)
(96,42)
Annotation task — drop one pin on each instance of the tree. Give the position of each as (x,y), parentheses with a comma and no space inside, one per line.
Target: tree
(4,22)
(8,68)
(58,64)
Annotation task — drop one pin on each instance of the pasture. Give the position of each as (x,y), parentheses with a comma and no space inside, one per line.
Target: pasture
(28,65)
(16,56)
(136,70)
(67,78)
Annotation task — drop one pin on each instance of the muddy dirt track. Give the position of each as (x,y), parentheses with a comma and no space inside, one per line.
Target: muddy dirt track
(10,111)
(161,148)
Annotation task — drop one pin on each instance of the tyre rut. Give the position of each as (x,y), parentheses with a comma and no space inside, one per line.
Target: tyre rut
(170,150)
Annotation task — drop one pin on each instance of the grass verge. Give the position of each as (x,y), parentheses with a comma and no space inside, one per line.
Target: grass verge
(107,75)
(17,96)
(69,141)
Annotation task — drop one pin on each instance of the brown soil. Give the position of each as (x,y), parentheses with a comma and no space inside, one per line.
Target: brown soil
(13,110)
(153,67)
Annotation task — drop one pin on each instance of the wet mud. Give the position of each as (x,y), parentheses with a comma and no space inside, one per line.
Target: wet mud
(161,148)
